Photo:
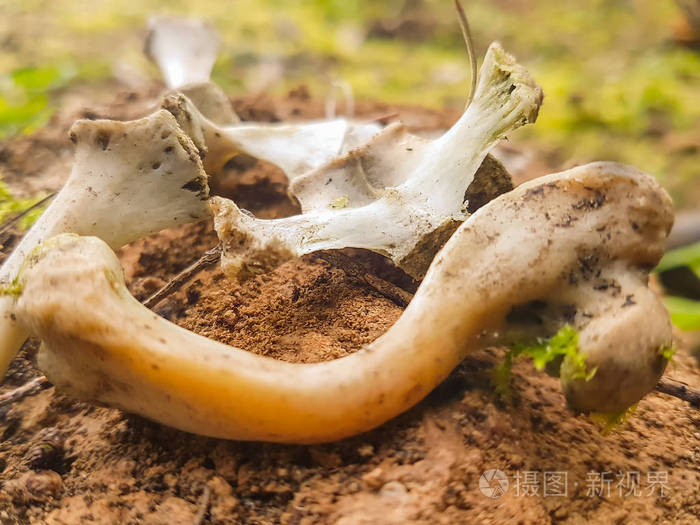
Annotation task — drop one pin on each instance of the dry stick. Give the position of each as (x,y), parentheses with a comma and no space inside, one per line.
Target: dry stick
(209,258)
(389,290)
(383,118)
(203,506)
(8,224)
(34,386)
(467,34)
(678,389)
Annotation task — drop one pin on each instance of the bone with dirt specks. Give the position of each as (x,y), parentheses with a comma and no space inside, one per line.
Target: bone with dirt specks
(558,239)
(129,179)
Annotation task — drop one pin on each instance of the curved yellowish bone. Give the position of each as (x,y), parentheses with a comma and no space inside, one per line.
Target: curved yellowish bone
(129,179)
(553,239)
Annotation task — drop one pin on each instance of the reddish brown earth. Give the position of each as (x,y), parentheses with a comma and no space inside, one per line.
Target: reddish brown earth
(64,461)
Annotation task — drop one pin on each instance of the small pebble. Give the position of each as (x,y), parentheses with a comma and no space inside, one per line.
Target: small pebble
(374,479)
(393,489)
(366,451)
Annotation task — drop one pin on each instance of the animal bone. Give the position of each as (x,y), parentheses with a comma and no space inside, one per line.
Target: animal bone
(295,148)
(185,51)
(397,195)
(557,239)
(129,179)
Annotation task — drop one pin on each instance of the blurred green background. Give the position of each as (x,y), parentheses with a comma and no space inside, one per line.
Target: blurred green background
(621,80)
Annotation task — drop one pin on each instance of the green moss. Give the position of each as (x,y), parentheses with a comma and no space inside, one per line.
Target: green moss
(500,377)
(339,203)
(546,354)
(14,289)
(668,351)
(11,206)
(612,421)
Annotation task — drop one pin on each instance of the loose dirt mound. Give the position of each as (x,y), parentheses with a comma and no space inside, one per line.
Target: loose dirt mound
(63,461)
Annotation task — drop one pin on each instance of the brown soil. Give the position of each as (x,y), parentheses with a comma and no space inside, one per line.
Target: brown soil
(63,461)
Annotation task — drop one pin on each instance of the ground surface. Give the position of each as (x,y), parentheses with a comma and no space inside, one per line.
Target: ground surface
(423,467)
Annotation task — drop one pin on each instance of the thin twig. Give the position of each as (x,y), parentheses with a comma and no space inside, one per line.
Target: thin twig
(32,387)
(467,34)
(203,506)
(8,223)
(678,389)
(209,258)
(389,290)
(384,118)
